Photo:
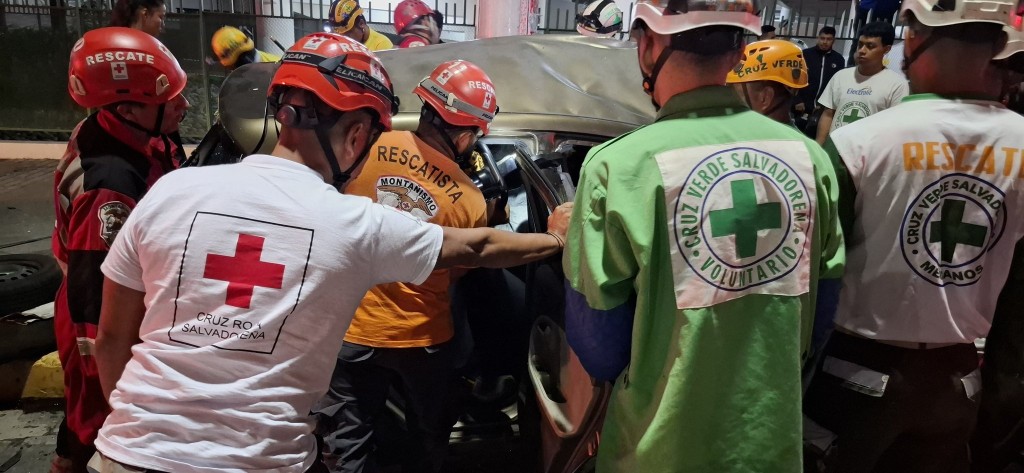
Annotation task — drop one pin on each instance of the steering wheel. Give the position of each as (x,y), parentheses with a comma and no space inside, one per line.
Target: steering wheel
(489,179)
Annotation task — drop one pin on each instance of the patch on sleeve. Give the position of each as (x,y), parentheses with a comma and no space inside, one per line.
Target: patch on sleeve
(112,216)
(741,217)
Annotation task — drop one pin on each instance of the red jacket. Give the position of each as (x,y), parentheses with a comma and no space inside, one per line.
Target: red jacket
(107,168)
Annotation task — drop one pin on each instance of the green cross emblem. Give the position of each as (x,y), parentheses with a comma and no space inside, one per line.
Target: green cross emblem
(852,116)
(952,230)
(745,218)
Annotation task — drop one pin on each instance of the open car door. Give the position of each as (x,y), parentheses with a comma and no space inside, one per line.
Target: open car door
(571,404)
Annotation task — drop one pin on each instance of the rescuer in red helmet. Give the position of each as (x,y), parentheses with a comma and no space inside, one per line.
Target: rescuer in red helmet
(114,156)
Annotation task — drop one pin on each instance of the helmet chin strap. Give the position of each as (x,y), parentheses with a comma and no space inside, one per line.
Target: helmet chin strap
(651,80)
(442,129)
(746,96)
(155,131)
(775,106)
(338,177)
(768,111)
(927,43)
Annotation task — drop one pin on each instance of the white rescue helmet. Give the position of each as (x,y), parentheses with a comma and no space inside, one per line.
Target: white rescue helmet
(937,13)
(1014,44)
(602,19)
(669,17)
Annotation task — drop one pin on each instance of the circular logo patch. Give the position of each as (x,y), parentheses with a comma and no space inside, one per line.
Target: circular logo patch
(112,216)
(950,226)
(741,219)
(406,195)
(849,113)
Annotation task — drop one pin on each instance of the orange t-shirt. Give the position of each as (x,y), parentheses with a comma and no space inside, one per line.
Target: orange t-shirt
(404,172)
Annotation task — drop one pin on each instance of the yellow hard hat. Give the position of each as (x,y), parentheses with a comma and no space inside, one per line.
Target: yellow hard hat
(229,43)
(344,14)
(773,59)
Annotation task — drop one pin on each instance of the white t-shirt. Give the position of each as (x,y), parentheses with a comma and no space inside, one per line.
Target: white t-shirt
(938,212)
(894,59)
(854,96)
(252,272)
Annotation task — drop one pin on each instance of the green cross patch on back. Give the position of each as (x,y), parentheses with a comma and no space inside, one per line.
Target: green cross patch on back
(952,230)
(745,218)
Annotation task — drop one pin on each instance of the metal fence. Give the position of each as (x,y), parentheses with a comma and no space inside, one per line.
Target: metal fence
(804,21)
(36,40)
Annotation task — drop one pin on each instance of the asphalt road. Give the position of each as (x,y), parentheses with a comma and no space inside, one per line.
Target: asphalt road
(26,205)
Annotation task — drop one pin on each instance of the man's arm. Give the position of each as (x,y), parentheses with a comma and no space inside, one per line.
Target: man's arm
(600,270)
(490,248)
(824,125)
(847,190)
(120,318)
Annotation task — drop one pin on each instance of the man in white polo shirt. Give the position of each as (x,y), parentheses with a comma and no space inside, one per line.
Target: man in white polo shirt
(229,288)
(930,199)
(857,92)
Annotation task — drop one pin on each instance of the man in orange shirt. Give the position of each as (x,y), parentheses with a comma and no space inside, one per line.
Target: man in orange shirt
(400,334)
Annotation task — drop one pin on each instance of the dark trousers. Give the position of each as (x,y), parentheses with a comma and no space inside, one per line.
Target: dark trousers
(73,450)
(879,408)
(355,403)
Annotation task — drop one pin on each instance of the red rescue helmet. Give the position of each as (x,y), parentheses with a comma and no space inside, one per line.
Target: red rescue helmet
(407,12)
(341,72)
(116,64)
(461,93)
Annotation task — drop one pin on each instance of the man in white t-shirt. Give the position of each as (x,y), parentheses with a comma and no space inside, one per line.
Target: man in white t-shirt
(869,88)
(229,288)
(930,197)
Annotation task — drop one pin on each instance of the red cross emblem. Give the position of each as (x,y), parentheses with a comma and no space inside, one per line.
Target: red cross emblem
(244,271)
(313,43)
(118,70)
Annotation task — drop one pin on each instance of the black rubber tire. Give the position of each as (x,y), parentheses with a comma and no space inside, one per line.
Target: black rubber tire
(27,281)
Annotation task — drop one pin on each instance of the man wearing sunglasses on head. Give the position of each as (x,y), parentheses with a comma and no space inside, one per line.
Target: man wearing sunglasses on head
(229,289)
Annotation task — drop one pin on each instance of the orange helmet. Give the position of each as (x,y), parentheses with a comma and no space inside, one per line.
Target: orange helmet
(115,64)
(407,12)
(341,72)
(461,93)
(772,59)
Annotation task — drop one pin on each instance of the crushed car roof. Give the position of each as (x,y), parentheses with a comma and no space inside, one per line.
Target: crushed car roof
(560,83)
(559,75)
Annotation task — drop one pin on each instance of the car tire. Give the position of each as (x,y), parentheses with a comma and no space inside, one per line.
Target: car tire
(27,281)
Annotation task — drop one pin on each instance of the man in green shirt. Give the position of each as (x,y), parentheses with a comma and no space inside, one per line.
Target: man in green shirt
(694,257)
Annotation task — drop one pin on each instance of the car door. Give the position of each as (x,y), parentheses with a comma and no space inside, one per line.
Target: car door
(570,404)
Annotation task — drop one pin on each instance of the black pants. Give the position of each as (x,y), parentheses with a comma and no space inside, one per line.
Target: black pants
(70,448)
(355,403)
(890,409)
